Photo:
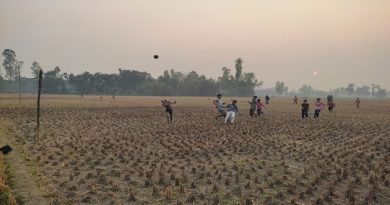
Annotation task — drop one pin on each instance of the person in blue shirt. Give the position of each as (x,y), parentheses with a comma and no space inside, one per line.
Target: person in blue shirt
(231,112)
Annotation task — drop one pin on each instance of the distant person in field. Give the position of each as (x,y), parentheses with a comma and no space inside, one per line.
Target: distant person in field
(219,104)
(328,98)
(357,102)
(259,107)
(168,109)
(318,107)
(231,112)
(331,105)
(267,98)
(295,100)
(305,109)
(252,108)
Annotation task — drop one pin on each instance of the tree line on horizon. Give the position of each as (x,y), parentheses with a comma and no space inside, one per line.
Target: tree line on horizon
(351,90)
(128,82)
(170,83)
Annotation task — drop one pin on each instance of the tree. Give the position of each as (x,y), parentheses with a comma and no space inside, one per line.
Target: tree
(350,89)
(52,81)
(373,86)
(129,80)
(306,90)
(35,68)
(280,87)
(238,67)
(9,64)
(380,92)
(19,65)
(363,91)
(285,90)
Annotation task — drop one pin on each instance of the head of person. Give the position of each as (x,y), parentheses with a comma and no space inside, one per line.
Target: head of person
(254,97)
(305,100)
(357,98)
(318,99)
(258,100)
(219,96)
(234,102)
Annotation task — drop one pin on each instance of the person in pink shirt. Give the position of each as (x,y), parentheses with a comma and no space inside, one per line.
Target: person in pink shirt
(318,107)
(259,106)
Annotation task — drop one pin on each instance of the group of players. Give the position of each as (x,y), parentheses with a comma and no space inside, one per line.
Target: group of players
(256,105)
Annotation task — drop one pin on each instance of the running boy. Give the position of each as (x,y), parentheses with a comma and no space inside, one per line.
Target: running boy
(331,105)
(231,112)
(357,102)
(305,109)
(253,106)
(168,109)
(259,106)
(295,100)
(219,105)
(318,107)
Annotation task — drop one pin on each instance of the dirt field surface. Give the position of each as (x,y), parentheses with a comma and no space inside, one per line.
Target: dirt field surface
(122,151)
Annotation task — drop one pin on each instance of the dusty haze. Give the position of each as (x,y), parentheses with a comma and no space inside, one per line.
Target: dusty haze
(344,41)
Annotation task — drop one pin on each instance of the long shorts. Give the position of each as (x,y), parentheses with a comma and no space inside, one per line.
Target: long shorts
(230,116)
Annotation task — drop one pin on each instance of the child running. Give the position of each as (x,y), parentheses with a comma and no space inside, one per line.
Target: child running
(357,102)
(259,106)
(318,107)
(295,100)
(331,105)
(305,109)
(168,109)
(219,105)
(231,112)
(253,106)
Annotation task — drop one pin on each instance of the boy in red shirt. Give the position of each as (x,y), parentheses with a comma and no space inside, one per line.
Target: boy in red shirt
(357,103)
(331,105)
(259,106)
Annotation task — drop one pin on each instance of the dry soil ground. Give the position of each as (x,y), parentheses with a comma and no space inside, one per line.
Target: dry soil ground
(121,151)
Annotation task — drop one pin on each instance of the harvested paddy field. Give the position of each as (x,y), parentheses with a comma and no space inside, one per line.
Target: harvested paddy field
(122,151)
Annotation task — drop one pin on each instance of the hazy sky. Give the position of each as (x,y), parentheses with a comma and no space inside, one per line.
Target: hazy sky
(343,40)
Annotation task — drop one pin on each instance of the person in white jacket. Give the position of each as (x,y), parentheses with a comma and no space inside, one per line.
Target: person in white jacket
(219,104)
(231,112)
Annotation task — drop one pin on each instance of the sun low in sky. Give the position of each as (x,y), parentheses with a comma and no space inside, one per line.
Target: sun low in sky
(343,41)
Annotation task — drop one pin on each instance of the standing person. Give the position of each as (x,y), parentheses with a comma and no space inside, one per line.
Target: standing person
(219,105)
(305,109)
(259,106)
(253,106)
(318,107)
(267,98)
(357,102)
(295,100)
(231,112)
(168,109)
(331,105)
